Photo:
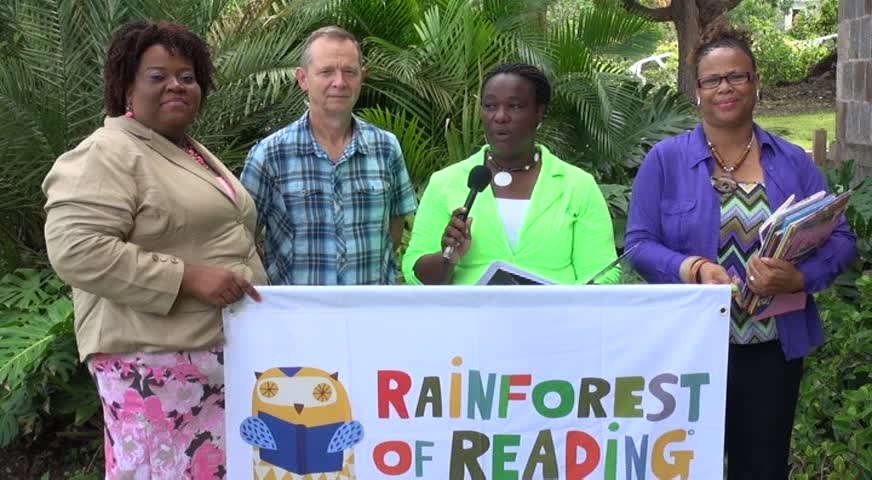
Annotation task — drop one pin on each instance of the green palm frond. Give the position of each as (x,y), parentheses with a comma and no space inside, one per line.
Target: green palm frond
(255,88)
(661,113)
(405,79)
(464,131)
(522,24)
(586,97)
(420,153)
(608,30)
(50,94)
(198,15)
(460,40)
(386,19)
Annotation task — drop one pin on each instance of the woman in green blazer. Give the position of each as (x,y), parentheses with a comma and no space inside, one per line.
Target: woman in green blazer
(541,214)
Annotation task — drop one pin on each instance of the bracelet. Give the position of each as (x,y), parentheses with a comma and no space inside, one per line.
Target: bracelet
(691,271)
(695,267)
(698,273)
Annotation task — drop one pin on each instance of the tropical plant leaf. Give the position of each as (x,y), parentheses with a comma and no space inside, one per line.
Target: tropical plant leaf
(15,403)
(28,289)
(417,148)
(22,347)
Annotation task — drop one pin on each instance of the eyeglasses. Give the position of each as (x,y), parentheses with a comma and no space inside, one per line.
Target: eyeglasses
(733,78)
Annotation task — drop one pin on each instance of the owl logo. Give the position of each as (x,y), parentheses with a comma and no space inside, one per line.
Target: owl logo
(301,425)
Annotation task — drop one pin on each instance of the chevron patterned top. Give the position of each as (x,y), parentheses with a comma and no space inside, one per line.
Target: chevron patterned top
(742,213)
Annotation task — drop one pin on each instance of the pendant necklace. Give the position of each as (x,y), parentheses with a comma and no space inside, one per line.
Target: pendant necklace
(727,183)
(503,177)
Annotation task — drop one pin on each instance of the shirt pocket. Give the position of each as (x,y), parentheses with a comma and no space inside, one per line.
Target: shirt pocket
(307,205)
(677,223)
(369,201)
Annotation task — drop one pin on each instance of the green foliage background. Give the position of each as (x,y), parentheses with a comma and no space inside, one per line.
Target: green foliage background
(784,55)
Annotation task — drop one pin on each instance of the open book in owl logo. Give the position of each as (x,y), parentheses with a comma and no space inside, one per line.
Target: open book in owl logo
(301,424)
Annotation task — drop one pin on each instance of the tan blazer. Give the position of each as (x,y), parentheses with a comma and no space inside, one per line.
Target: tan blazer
(126,209)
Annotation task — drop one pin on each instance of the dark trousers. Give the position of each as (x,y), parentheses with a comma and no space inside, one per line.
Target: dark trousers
(762,389)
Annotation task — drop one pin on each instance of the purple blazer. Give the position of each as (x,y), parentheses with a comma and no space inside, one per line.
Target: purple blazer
(675,212)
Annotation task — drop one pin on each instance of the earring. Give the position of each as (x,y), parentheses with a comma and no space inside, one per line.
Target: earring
(698,100)
(539,126)
(758,95)
(129,112)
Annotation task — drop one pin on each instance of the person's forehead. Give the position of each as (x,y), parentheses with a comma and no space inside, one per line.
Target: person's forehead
(159,55)
(328,49)
(724,58)
(508,84)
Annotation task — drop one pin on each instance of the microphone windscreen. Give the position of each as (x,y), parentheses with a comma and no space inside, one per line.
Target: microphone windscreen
(479,178)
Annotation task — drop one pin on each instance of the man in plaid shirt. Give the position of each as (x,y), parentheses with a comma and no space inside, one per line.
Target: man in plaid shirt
(331,190)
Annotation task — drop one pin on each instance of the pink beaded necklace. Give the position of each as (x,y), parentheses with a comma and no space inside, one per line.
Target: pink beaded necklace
(193,153)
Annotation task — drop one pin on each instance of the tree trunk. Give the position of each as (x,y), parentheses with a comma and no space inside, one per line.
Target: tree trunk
(690,17)
(685,16)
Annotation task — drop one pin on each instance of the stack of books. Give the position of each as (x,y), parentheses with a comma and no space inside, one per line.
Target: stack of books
(792,232)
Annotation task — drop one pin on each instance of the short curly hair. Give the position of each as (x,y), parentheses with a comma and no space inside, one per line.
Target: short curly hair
(720,34)
(125,52)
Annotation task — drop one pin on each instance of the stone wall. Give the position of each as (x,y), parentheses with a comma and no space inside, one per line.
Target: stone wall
(854,84)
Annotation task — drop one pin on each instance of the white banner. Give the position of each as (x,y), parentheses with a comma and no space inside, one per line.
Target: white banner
(557,382)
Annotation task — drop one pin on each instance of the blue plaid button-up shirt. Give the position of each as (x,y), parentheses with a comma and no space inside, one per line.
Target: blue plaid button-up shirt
(328,223)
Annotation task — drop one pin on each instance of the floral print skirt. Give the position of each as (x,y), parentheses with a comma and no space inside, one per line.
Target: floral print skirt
(164,414)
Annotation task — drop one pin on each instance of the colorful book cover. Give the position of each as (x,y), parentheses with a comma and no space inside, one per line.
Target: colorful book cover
(805,227)
(810,232)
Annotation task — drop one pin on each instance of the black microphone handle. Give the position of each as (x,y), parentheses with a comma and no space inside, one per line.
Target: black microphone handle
(468,204)
(449,250)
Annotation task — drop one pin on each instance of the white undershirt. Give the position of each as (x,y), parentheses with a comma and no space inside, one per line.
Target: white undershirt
(513,211)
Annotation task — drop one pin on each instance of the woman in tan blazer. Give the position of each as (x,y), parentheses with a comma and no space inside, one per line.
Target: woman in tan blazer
(155,236)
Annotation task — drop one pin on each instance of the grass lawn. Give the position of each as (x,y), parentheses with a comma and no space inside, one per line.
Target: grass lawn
(799,128)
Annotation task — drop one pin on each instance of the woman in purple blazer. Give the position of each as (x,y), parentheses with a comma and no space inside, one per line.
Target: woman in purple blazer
(697,205)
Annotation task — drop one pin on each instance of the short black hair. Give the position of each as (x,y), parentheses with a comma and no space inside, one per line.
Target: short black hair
(125,52)
(720,34)
(541,87)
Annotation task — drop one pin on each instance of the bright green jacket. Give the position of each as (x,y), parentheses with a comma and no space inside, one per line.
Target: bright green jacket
(566,237)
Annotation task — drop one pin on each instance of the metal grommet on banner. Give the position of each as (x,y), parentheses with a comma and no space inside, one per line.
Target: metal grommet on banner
(723,311)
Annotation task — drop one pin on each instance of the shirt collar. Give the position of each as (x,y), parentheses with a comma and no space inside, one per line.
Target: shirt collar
(130,125)
(699,150)
(358,139)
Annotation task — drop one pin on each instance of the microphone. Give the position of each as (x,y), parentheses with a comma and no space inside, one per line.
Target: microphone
(479,179)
